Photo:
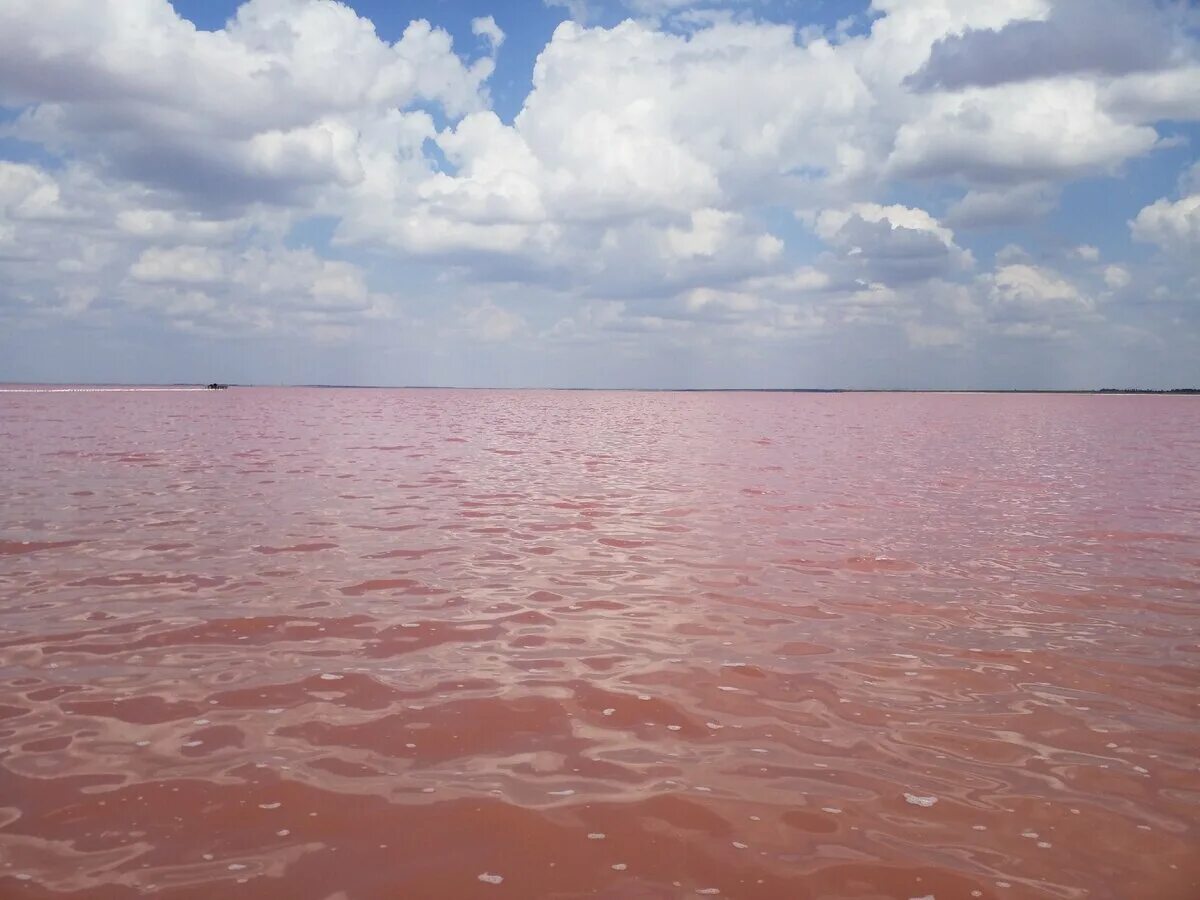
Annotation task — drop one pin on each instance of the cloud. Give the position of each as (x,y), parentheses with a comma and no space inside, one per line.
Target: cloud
(627,131)
(1189,181)
(488,322)
(578,10)
(280,102)
(1173,226)
(178,265)
(1034,302)
(264,290)
(28,193)
(1117,277)
(1151,97)
(932,336)
(1142,58)
(995,208)
(486,28)
(178,226)
(1095,37)
(1043,131)
(1031,286)
(659,7)
(892,244)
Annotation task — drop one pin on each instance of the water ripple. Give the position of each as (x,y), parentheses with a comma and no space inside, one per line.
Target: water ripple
(369,644)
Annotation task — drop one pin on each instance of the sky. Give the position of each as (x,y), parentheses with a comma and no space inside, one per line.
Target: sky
(927,194)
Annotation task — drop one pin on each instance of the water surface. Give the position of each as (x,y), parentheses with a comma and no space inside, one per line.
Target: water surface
(288,643)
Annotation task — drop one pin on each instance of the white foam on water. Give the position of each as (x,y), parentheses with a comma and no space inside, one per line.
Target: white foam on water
(596,836)
(489,878)
(326,676)
(269,805)
(725,687)
(620,867)
(740,845)
(609,711)
(917,800)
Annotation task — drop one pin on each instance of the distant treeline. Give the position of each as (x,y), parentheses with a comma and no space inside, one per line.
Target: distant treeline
(1147,391)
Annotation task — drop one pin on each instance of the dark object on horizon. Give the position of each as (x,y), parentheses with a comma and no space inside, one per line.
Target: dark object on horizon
(217,387)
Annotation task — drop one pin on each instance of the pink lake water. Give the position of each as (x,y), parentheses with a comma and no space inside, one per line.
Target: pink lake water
(341,644)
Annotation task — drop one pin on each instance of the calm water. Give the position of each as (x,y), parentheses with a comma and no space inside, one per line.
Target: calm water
(390,644)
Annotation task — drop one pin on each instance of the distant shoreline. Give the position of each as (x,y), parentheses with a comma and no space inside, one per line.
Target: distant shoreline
(47,388)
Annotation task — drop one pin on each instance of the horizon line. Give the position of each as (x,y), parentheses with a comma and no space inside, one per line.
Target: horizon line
(31,386)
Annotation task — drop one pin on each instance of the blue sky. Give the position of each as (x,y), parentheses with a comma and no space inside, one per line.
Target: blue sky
(657,193)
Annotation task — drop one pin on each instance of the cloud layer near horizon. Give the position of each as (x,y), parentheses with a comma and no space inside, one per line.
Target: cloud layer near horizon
(686,197)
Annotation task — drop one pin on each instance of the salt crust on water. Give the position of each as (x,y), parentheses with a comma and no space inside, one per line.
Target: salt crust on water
(916,800)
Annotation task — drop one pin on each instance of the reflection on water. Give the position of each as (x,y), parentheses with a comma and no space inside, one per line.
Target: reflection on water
(438,644)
